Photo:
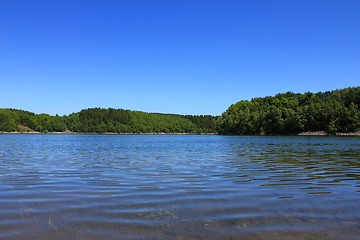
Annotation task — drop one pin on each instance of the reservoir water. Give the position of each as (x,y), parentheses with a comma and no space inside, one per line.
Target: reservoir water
(179,187)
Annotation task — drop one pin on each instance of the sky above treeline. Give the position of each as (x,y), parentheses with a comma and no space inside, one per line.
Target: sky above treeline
(172,56)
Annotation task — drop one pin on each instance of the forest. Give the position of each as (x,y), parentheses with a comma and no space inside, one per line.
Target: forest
(334,112)
(100,120)
(292,113)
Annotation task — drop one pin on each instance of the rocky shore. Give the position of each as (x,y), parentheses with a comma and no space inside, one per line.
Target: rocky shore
(323,133)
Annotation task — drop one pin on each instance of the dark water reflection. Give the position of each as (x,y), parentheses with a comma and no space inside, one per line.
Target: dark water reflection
(179,187)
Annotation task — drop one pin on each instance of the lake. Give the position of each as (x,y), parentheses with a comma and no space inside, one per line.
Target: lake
(179,187)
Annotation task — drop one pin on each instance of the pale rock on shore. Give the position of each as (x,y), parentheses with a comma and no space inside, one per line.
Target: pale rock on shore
(317,133)
(323,133)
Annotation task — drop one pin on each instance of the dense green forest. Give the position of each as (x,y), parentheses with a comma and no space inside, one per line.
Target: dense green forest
(286,113)
(99,120)
(290,113)
(18,120)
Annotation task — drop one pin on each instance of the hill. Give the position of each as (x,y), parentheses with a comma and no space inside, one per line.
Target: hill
(328,112)
(99,120)
(333,112)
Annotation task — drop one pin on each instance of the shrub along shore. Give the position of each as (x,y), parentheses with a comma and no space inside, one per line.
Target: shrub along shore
(325,113)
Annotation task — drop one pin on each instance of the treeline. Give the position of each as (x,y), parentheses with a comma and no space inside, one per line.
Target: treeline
(12,120)
(291,113)
(288,113)
(99,120)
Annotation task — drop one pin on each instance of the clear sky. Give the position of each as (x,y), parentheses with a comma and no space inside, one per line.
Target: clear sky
(172,56)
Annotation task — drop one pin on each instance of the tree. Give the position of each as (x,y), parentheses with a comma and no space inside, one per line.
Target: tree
(290,113)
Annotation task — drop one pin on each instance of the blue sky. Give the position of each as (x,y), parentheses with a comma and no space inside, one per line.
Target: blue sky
(172,56)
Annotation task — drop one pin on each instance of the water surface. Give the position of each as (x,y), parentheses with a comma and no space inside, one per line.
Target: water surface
(178,187)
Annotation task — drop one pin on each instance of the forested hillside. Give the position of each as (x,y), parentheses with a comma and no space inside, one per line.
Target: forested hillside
(291,113)
(288,113)
(12,120)
(99,120)
(125,121)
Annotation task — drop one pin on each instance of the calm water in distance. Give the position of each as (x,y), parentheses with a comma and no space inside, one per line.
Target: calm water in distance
(179,187)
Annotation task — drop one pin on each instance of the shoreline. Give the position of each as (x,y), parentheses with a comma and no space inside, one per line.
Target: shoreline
(108,133)
(323,133)
(309,133)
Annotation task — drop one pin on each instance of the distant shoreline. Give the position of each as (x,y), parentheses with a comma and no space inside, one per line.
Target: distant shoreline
(315,133)
(108,133)
(323,133)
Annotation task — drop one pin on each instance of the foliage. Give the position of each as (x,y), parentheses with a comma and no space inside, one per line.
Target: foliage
(8,121)
(290,113)
(286,113)
(204,123)
(14,120)
(99,120)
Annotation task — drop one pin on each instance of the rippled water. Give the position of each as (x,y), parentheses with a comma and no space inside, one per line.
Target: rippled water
(179,187)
